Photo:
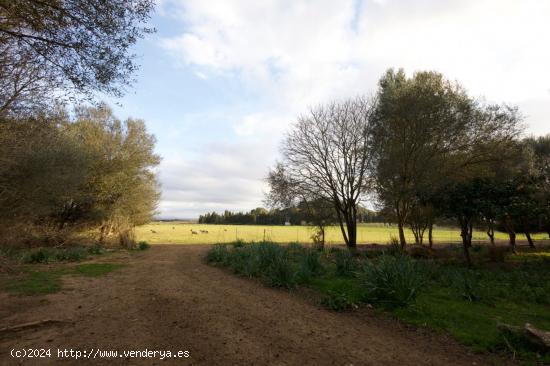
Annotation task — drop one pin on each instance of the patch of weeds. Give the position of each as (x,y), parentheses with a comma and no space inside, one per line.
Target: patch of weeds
(280,272)
(391,281)
(239,243)
(393,248)
(97,269)
(71,254)
(40,255)
(96,249)
(143,245)
(336,301)
(218,254)
(467,284)
(295,248)
(309,265)
(346,264)
(46,255)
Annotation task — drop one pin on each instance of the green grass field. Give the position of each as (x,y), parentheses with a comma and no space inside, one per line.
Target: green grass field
(180,233)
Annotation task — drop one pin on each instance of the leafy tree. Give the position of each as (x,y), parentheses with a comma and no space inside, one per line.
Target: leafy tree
(40,171)
(121,189)
(67,47)
(539,151)
(428,131)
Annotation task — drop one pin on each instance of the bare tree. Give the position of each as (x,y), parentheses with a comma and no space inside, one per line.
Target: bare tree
(326,157)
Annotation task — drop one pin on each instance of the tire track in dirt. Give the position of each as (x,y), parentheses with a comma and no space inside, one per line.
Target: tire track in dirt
(167,298)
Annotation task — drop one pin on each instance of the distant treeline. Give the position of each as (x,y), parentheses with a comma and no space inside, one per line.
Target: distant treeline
(262,216)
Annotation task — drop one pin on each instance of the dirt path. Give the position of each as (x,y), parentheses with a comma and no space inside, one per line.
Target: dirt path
(167,298)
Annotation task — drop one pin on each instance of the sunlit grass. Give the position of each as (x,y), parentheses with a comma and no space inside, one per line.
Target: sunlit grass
(180,233)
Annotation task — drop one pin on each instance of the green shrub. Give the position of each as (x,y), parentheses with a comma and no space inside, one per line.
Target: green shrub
(40,255)
(295,248)
(239,243)
(346,265)
(218,254)
(466,283)
(96,249)
(280,272)
(391,281)
(243,261)
(394,247)
(309,265)
(336,301)
(143,245)
(71,254)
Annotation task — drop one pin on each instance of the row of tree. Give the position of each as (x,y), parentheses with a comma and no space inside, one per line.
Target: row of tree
(296,215)
(425,151)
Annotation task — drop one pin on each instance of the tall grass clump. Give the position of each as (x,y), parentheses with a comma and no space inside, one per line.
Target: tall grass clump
(46,255)
(309,265)
(391,281)
(266,260)
(218,254)
(346,265)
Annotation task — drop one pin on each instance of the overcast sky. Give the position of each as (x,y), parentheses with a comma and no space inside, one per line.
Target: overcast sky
(221,80)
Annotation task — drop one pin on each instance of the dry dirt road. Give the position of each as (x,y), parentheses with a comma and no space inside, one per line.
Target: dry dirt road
(167,298)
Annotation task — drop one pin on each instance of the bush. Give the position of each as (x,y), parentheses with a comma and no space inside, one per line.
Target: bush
(336,301)
(269,261)
(143,245)
(466,283)
(345,263)
(71,254)
(309,265)
(239,243)
(243,261)
(280,272)
(40,255)
(96,249)
(394,247)
(391,281)
(218,254)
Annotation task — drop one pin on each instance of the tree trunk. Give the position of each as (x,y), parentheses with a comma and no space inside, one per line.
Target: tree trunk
(352,234)
(402,240)
(491,235)
(415,233)
(512,235)
(529,239)
(430,235)
(467,254)
(465,233)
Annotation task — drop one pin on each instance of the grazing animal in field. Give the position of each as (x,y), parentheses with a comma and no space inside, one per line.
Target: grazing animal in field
(204,231)
(193,232)
(153,231)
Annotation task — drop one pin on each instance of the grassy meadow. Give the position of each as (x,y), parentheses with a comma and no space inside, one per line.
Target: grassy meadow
(180,233)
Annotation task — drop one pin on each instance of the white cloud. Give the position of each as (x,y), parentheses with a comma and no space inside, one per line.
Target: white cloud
(299,53)
(220,176)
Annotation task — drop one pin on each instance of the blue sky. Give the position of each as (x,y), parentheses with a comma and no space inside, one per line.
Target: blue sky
(221,80)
